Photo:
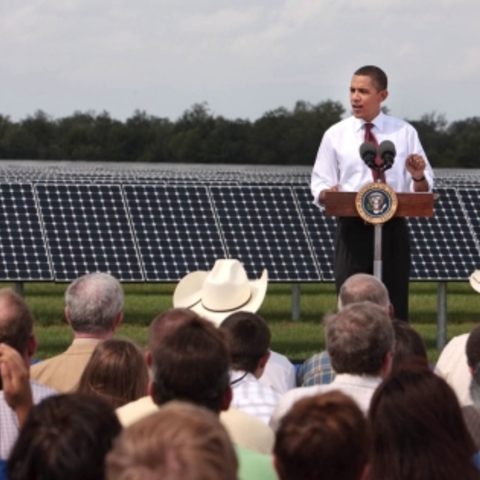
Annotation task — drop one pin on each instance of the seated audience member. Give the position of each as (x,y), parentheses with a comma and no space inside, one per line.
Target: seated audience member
(323,437)
(409,346)
(15,385)
(248,338)
(192,364)
(224,290)
(64,437)
(244,430)
(116,371)
(361,287)
(452,364)
(418,430)
(471,413)
(360,341)
(16,332)
(93,309)
(180,441)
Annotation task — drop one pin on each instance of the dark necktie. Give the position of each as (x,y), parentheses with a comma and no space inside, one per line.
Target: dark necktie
(370,137)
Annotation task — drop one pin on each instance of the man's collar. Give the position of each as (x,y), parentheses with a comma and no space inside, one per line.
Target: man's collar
(378,122)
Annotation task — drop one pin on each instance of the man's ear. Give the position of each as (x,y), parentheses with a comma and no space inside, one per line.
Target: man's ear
(151,392)
(227,399)
(67,315)
(148,358)
(383,95)
(117,321)
(32,346)
(386,365)
(366,472)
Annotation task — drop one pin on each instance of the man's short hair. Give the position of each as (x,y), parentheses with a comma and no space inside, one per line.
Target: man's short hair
(409,346)
(358,337)
(362,287)
(164,323)
(248,338)
(323,436)
(94,302)
(16,321)
(378,76)
(192,364)
(180,441)
(64,437)
(472,348)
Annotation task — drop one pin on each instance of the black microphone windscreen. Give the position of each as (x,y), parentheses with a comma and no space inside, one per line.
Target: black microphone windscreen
(368,152)
(387,147)
(387,152)
(367,149)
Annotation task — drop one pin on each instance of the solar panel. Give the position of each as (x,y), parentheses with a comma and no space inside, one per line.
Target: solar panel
(443,247)
(88,230)
(176,229)
(471,204)
(262,228)
(320,230)
(23,255)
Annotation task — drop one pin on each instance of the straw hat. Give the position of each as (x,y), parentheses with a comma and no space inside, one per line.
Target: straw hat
(220,292)
(475,280)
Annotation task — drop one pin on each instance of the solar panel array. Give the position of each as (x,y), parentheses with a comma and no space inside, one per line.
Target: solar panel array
(156,223)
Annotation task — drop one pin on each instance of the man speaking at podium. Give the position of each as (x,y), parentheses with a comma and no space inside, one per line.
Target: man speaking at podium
(340,168)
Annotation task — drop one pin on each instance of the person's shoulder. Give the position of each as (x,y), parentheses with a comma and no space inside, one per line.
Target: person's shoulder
(254,465)
(397,122)
(341,125)
(136,410)
(40,391)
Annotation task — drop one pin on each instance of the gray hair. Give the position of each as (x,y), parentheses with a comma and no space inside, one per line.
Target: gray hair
(362,287)
(94,302)
(358,337)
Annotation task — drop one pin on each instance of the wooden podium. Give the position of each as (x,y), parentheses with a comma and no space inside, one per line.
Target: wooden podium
(343,204)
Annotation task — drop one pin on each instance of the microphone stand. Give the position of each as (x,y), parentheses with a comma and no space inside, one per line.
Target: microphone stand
(377,242)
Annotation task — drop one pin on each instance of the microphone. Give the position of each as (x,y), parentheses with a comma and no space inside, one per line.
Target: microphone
(368,152)
(387,153)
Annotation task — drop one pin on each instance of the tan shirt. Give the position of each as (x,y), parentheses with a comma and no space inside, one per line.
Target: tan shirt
(63,372)
(244,430)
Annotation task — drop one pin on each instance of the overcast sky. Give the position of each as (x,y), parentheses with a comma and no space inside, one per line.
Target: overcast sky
(242,57)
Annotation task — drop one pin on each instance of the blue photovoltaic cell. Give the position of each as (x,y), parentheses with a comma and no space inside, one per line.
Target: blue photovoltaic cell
(176,229)
(443,247)
(88,230)
(471,203)
(23,255)
(262,227)
(320,229)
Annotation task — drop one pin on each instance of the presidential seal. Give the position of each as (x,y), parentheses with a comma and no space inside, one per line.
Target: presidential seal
(376,203)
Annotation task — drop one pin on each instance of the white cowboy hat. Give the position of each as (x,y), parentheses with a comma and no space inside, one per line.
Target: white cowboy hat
(475,280)
(220,292)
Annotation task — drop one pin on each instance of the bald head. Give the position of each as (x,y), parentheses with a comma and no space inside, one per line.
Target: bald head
(362,287)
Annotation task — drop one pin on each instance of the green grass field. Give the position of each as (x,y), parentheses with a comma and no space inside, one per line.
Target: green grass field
(297,340)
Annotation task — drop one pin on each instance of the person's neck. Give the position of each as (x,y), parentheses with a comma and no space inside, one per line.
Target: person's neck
(96,336)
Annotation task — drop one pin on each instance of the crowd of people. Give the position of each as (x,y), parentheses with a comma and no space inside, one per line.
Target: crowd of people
(208,399)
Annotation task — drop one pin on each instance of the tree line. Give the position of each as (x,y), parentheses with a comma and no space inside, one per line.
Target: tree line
(280,136)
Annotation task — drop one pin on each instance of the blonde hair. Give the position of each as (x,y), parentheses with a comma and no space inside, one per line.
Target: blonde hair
(181,440)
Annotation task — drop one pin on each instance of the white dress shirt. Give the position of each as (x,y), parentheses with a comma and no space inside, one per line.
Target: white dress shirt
(279,373)
(8,419)
(251,396)
(452,366)
(360,387)
(339,163)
